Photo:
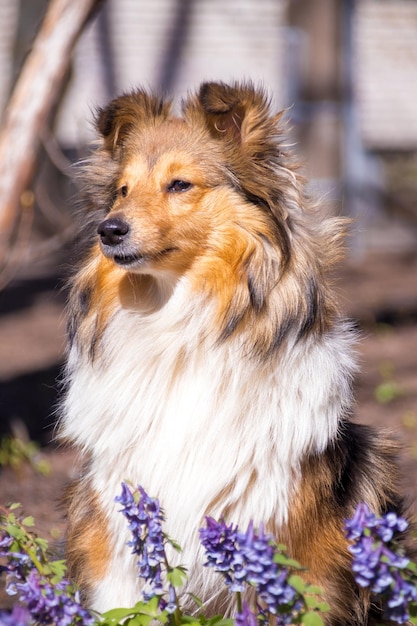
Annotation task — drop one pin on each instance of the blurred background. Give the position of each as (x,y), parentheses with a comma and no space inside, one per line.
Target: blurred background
(345,71)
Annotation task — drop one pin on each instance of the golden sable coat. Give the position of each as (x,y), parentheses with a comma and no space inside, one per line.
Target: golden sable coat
(208,361)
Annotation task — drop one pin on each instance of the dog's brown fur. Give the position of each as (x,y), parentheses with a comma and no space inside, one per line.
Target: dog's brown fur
(209,211)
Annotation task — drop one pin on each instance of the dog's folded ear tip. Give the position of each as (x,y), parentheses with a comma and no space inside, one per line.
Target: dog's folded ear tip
(104,120)
(130,110)
(217,97)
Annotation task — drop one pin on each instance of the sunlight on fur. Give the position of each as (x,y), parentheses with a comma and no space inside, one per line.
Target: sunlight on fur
(208,360)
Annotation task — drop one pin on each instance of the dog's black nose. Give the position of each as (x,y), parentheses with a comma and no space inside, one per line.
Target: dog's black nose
(113,231)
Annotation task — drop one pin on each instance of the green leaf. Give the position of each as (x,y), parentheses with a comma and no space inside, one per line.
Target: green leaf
(312,619)
(318,591)
(41,543)
(16,532)
(142,619)
(58,568)
(43,467)
(387,391)
(14,506)
(316,604)
(177,576)
(139,620)
(145,611)
(28,521)
(285,560)
(189,620)
(114,616)
(298,583)
(218,620)
(149,608)
(174,544)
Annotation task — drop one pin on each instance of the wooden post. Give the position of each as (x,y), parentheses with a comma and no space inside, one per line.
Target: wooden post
(30,106)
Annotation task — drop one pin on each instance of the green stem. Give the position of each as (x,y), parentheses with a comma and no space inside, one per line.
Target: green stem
(34,559)
(239,601)
(177,615)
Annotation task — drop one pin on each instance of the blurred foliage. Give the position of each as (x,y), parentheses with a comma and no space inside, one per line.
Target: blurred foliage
(388,389)
(16,453)
(409,419)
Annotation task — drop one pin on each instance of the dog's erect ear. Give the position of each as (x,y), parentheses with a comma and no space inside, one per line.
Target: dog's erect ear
(239,116)
(124,114)
(235,111)
(223,110)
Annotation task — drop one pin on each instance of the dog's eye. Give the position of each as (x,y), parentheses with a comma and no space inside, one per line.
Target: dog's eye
(123,191)
(179,185)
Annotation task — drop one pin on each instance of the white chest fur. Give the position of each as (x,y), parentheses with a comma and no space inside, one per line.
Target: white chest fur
(205,428)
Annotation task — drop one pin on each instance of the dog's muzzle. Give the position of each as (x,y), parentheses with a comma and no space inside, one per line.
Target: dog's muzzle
(113,231)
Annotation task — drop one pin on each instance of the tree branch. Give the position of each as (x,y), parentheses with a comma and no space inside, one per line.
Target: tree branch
(31,104)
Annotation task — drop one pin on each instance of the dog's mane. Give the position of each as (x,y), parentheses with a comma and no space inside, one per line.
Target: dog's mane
(208,358)
(282,284)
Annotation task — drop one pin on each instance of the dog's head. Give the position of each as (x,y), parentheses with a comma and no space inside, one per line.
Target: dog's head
(211,191)
(176,181)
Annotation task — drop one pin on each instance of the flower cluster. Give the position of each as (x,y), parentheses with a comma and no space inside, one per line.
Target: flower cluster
(39,583)
(250,559)
(53,603)
(377,565)
(148,541)
(19,564)
(219,542)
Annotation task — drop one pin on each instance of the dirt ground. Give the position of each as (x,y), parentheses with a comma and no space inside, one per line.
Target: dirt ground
(380,293)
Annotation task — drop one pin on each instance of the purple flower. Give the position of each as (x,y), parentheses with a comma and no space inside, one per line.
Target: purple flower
(377,565)
(19,616)
(46,603)
(145,519)
(246,617)
(145,523)
(18,564)
(383,527)
(5,542)
(171,605)
(53,604)
(219,542)
(248,559)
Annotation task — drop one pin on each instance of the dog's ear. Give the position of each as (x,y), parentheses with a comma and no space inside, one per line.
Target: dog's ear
(124,114)
(224,110)
(239,116)
(237,112)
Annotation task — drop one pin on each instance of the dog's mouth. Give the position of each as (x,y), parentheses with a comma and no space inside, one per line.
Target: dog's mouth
(137,259)
(128,259)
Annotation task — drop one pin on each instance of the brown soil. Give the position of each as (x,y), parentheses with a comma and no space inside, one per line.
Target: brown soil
(380,292)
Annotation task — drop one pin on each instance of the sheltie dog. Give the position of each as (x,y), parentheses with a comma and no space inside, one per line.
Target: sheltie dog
(208,361)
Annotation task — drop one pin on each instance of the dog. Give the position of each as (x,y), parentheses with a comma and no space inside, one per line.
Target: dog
(208,360)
